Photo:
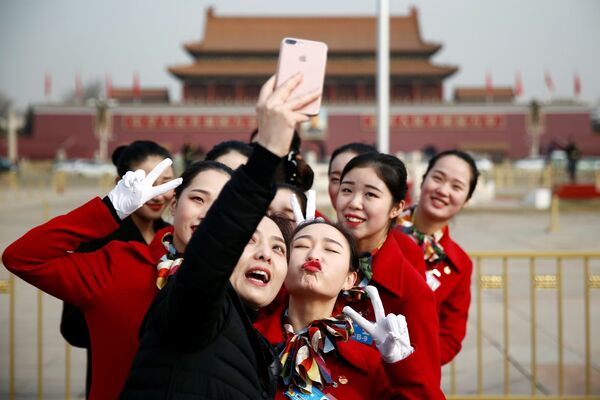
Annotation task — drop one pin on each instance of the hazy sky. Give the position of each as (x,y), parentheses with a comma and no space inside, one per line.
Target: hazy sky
(120,37)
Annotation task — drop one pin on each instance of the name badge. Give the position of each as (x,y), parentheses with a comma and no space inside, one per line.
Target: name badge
(295,394)
(432,281)
(360,335)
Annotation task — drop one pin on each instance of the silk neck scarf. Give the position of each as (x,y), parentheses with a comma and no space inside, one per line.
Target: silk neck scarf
(302,359)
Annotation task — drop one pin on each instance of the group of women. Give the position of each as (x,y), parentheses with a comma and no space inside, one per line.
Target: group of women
(240,299)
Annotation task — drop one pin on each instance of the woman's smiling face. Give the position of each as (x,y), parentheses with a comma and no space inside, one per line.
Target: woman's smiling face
(445,188)
(365,206)
(153,209)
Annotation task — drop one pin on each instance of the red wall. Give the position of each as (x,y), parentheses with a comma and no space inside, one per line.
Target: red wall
(73,129)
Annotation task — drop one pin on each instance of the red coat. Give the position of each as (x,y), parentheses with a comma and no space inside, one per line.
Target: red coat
(404,291)
(357,369)
(113,286)
(453,297)
(412,252)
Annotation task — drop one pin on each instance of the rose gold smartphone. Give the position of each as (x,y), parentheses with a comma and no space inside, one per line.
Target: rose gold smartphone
(308,57)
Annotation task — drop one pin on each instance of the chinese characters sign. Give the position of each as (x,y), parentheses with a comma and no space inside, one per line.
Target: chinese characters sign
(188,122)
(439,121)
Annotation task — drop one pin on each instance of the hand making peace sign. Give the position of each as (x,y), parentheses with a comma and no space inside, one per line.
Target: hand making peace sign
(390,332)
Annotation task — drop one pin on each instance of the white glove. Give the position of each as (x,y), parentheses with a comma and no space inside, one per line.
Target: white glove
(135,188)
(389,333)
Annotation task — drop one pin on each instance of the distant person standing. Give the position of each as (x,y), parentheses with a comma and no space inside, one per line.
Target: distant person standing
(573,155)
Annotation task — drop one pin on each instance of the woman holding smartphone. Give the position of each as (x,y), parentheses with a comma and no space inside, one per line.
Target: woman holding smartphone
(370,198)
(448,183)
(197,340)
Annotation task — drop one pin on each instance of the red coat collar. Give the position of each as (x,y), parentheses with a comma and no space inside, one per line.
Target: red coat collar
(457,256)
(352,352)
(388,266)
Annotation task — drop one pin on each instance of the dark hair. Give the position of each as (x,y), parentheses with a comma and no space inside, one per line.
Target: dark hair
(286,228)
(126,156)
(354,147)
(227,147)
(466,158)
(388,168)
(199,166)
(297,191)
(295,171)
(354,255)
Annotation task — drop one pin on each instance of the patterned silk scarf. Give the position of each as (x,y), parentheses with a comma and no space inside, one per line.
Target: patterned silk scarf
(302,354)
(433,251)
(365,274)
(169,263)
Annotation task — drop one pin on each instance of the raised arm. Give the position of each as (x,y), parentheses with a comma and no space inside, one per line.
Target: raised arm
(191,308)
(44,256)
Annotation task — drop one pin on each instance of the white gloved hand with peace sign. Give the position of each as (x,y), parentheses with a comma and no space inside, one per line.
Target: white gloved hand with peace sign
(389,333)
(135,188)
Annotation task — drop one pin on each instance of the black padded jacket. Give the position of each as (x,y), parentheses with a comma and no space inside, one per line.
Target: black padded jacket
(197,339)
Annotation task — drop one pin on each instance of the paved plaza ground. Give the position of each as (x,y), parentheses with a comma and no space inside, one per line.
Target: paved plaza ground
(476,229)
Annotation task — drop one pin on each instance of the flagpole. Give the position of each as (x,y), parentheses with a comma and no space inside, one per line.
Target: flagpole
(383,76)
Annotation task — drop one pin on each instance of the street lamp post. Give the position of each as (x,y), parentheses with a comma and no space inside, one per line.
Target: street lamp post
(535,127)
(103,127)
(12,123)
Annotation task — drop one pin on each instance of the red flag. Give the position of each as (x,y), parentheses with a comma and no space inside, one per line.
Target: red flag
(136,86)
(489,86)
(78,86)
(518,84)
(548,80)
(108,86)
(47,85)
(577,85)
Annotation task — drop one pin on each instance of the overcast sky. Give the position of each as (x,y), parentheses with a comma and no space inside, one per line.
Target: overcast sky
(121,37)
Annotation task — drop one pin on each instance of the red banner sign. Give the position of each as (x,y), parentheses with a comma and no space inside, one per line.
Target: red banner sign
(188,122)
(438,121)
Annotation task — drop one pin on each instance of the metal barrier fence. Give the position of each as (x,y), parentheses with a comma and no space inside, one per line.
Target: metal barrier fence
(511,299)
(510,282)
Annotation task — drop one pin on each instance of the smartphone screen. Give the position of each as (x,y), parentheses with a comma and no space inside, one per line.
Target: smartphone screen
(308,57)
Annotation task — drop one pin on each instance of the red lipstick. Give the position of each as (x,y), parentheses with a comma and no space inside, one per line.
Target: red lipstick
(155,207)
(312,266)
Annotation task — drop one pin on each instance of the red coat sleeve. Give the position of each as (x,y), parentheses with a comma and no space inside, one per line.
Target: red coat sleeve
(403,290)
(420,311)
(43,256)
(399,388)
(453,314)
